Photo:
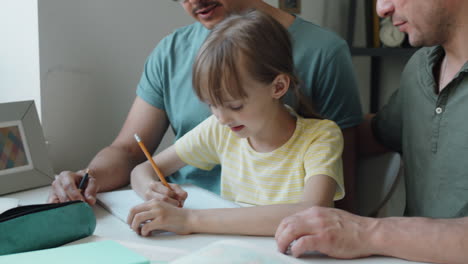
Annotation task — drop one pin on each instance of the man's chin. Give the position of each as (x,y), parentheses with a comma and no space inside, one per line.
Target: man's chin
(211,23)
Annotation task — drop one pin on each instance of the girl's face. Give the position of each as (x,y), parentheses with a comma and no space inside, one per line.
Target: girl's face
(254,115)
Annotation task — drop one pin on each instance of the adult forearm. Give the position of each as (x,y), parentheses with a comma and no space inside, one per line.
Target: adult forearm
(349,157)
(367,142)
(111,167)
(423,239)
(258,220)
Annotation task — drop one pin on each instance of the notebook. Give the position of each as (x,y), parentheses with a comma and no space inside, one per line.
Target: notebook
(235,252)
(155,253)
(120,202)
(90,253)
(7,204)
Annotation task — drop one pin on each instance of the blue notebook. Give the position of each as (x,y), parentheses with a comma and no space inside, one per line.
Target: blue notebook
(90,253)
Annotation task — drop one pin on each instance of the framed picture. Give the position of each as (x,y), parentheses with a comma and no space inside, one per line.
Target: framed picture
(24,162)
(291,6)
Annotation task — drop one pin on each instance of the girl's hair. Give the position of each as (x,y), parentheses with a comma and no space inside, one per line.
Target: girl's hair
(264,47)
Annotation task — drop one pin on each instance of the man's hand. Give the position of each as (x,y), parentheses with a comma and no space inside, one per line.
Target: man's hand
(65,188)
(330,231)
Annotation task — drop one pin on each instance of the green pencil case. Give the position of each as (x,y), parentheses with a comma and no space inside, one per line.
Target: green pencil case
(42,226)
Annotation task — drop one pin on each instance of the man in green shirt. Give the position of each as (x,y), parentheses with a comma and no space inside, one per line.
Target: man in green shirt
(425,120)
(165,97)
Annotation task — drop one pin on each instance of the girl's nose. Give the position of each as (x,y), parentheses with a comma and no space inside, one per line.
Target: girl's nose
(222,116)
(385,8)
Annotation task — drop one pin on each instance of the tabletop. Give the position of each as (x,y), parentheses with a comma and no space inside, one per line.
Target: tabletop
(110,227)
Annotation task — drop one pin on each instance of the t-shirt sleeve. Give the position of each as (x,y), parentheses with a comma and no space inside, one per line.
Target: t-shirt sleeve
(387,124)
(337,97)
(324,155)
(199,146)
(151,85)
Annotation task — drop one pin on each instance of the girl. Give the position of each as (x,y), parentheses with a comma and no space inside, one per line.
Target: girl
(272,156)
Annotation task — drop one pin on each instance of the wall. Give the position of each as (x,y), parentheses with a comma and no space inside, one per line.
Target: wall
(19,51)
(92,55)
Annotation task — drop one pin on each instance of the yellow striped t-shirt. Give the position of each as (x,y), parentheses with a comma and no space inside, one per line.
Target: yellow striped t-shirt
(276,177)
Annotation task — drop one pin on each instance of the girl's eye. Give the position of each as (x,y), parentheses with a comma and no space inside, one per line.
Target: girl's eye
(236,108)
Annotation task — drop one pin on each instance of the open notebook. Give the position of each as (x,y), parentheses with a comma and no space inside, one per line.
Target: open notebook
(226,251)
(120,202)
(235,252)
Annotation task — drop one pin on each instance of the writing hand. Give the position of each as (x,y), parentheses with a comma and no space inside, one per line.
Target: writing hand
(158,192)
(64,188)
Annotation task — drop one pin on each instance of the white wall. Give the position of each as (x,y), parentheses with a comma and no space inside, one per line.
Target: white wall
(19,51)
(92,55)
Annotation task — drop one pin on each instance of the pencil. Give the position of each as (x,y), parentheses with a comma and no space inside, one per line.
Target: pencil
(84,180)
(148,156)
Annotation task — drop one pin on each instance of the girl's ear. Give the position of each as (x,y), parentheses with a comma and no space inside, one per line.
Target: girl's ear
(280,86)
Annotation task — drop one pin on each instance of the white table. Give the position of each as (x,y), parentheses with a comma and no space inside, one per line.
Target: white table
(110,227)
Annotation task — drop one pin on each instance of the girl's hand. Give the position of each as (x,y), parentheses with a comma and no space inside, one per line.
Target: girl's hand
(147,187)
(158,192)
(158,215)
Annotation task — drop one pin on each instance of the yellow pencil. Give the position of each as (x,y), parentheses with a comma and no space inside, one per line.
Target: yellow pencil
(148,156)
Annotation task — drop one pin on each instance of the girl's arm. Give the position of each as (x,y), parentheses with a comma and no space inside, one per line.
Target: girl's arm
(259,220)
(319,190)
(146,183)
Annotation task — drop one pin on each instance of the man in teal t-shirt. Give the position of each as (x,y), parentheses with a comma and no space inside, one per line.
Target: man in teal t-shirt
(165,96)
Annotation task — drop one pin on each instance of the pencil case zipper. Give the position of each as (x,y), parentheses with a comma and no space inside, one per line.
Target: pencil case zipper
(30,209)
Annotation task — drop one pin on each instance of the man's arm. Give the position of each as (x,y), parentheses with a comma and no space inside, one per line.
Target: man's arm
(111,167)
(423,239)
(367,141)
(360,140)
(343,235)
(349,157)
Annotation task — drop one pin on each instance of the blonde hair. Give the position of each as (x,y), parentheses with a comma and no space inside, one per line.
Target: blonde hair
(265,48)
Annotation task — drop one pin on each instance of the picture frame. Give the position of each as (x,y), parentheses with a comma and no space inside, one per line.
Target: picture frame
(24,162)
(290,6)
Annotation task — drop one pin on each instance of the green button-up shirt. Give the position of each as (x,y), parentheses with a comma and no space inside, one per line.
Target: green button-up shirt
(431,132)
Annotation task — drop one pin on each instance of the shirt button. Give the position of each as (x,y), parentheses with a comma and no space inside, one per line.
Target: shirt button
(438,110)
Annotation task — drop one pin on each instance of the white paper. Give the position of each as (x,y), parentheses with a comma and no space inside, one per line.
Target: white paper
(235,252)
(7,204)
(120,202)
(156,254)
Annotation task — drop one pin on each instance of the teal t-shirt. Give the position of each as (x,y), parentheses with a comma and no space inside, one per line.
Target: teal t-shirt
(323,64)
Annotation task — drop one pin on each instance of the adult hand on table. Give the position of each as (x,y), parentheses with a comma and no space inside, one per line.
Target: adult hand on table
(330,231)
(65,188)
